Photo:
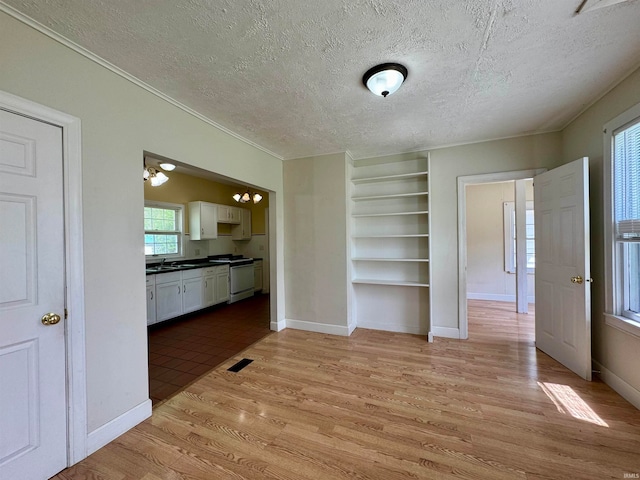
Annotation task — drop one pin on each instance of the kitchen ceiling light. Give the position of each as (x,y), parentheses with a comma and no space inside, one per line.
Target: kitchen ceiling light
(247,197)
(155,177)
(167,166)
(385,79)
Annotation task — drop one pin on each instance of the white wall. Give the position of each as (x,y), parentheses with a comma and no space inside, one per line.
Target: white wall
(486,275)
(316,243)
(521,153)
(614,350)
(119,121)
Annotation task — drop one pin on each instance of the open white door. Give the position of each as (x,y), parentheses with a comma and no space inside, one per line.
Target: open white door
(33,403)
(563,271)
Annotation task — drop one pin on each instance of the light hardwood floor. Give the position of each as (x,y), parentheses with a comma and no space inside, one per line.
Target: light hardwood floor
(385,406)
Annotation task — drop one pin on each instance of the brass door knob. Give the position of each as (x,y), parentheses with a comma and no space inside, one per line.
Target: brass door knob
(577,280)
(50,318)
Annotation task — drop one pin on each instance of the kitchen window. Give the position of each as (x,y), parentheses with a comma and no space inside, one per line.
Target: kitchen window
(163,229)
(510,238)
(622,220)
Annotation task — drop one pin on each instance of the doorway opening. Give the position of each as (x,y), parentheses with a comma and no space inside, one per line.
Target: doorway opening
(214,323)
(489,268)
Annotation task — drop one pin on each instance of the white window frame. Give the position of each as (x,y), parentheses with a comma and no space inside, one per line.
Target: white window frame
(179,208)
(509,209)
(615,314)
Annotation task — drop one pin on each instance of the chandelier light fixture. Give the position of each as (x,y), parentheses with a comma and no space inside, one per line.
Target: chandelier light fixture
(385,79)
(155,176)
(247,197)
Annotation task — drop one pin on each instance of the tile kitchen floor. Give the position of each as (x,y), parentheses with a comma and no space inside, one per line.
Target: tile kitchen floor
(183,349)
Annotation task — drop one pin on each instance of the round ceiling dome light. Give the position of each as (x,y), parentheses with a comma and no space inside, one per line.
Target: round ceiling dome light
(385,79)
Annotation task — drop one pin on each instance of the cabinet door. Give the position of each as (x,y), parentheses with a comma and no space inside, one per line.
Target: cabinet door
(209,297)
(168,300)
(223,214)
(235,215)
(222,286)
(208,221)
(257,282)
(243,230)
(191,294)
(151,305)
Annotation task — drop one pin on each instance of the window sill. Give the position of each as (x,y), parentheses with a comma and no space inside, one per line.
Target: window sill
(623,324)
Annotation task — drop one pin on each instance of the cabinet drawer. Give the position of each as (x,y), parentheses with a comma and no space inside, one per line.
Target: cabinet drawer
(168,277)
(195,273)
(151,280)
(208,271)
(220,269)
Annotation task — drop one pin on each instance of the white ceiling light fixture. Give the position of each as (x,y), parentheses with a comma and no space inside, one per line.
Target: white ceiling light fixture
(168,167)
(247,197)
(155,177)
(385,79)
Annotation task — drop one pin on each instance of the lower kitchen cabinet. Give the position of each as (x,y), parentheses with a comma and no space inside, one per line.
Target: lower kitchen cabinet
(151,299)
(192,286)
(172,294)
(168,295)
(257,272)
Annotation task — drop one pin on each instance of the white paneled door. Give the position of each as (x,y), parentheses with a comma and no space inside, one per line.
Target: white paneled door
(33,422)
(563,288)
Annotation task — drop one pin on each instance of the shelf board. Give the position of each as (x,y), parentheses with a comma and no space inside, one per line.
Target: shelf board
(398,283)
(417,235)
(392,214)
(394,195)
(411,260)
(388,178)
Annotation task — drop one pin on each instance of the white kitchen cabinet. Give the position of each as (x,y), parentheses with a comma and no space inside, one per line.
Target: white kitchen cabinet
(222,283)
(209,286)
(151,299)
(168,295)
(203,220)
(229,214)
(243,230)
(257,272)
(192,290)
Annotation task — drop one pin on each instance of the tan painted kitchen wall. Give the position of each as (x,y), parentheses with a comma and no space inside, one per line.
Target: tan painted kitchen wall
(182,188)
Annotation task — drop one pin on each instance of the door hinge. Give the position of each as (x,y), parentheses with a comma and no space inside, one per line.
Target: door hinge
(66,314)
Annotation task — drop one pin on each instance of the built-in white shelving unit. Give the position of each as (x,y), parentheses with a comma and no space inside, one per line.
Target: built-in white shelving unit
(390,245)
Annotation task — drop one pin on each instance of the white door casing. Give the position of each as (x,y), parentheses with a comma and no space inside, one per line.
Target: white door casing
(33,403)
(563,273)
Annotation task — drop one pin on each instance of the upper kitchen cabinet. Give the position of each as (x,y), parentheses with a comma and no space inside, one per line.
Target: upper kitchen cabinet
(228,214)
(243,230)
(203,220)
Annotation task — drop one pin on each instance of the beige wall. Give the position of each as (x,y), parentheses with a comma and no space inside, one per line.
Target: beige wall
(120,121)
(183,189)
(316,240)
(447,164)
(486,276)
(615,350)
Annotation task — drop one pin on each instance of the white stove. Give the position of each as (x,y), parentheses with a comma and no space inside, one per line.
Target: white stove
(241,275)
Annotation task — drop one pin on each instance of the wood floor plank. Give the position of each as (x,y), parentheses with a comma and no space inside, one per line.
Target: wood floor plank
(384,406)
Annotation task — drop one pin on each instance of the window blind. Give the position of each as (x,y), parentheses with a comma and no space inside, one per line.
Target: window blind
(627,183)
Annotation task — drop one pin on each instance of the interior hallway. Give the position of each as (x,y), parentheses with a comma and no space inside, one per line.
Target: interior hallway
(381,405)
(183,349)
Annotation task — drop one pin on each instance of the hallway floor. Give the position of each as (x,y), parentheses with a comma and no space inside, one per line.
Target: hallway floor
(183,349)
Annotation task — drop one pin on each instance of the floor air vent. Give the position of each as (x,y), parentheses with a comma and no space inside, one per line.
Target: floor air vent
(240,365)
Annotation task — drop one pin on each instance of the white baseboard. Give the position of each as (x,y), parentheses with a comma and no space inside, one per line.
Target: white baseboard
(318,327)
(626,391)
(116,427)
(497,297)
(278,325)
(390,327)
(446,332)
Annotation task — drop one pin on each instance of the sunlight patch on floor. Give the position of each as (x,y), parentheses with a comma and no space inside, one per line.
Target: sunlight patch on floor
(568,402)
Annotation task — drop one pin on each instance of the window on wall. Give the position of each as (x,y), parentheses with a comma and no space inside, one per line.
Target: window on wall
(510,238)
(622,217)
(163,229)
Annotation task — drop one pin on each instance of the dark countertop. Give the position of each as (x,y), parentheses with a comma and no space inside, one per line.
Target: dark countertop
(152,268)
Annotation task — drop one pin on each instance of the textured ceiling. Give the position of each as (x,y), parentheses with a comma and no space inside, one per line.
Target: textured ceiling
(286,74)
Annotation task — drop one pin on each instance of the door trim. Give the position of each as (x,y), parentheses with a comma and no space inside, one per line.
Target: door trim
(74,265)
(463,181)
